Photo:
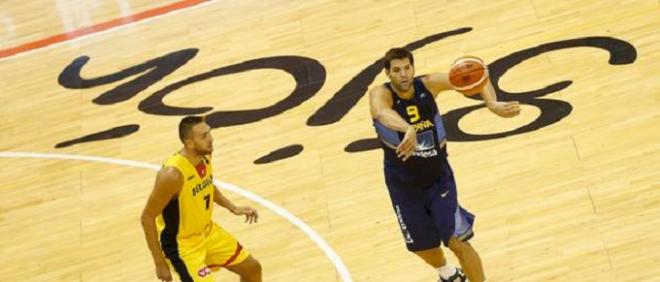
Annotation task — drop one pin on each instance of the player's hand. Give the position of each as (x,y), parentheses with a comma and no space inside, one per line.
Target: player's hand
(408,144)
(163,272)
(251,215)
(506,109)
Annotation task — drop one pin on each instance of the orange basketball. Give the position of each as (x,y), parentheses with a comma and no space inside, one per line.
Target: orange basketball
(468,75)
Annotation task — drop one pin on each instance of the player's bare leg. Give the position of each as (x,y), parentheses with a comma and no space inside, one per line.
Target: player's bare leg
(469,259)
(249,270)
(436,258)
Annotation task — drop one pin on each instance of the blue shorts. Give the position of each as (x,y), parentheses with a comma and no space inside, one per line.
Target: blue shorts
(430,215)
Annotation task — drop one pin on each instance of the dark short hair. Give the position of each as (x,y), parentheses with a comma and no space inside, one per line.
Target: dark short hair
(186,125)
(398,53)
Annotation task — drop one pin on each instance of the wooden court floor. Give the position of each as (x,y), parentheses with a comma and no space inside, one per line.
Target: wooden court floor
(91,93)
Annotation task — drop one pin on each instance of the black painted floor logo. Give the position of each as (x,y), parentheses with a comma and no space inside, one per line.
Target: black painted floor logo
(309,75)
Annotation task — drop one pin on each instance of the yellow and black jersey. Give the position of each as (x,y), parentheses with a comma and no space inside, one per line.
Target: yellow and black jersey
(187,215)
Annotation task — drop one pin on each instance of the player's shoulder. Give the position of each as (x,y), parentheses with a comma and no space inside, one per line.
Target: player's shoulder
(380,90)
(425,77)
(169,173)
(436,82)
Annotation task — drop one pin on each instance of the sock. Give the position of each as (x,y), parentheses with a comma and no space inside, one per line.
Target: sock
(446,271)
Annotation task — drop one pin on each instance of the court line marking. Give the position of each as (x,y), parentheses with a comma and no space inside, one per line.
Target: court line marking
(322,244)
(100,28)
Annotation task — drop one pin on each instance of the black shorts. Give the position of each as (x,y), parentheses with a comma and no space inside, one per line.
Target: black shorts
(431,215)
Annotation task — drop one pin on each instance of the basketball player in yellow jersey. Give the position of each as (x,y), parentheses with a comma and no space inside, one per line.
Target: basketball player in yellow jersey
(178,214)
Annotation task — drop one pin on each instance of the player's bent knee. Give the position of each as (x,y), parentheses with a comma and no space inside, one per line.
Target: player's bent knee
(457,246)
(256,268)
(249,269)
(252,266)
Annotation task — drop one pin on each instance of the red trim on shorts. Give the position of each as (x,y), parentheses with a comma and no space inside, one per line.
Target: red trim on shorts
(232,258)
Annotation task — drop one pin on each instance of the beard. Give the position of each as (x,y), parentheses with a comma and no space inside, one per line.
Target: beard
(204,152)
(400,88)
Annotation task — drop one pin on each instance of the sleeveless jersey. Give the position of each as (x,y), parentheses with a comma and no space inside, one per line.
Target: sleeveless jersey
(188,214)
(429,158)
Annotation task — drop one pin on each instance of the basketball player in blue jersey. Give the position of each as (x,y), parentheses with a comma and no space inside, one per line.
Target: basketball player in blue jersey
(418,177)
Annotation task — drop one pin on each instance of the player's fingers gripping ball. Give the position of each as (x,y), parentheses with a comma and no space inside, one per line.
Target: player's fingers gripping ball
(468,75)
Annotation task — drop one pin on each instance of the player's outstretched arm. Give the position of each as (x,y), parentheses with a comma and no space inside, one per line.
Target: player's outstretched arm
(503,109)
(437,82)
